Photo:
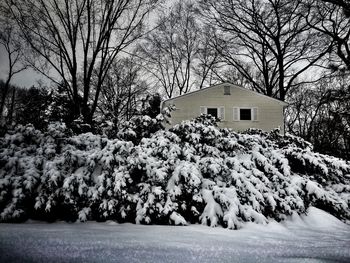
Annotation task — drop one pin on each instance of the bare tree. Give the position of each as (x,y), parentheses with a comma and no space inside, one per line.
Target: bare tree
(319,113)
(169,51)
(122,92)
(332,19)
(345,4)
(268,42)
(207,64)
(10,41)
(79,40)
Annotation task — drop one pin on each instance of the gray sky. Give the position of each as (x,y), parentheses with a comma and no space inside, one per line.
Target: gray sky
(25,78)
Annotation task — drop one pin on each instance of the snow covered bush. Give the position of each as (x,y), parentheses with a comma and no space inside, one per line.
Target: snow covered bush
(143,126)
(191,173)
(23,155)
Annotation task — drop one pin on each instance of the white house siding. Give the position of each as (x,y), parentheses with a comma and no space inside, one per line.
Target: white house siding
(270,111)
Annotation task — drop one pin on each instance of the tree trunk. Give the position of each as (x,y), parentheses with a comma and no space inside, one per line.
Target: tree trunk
(11,111)
(3,99)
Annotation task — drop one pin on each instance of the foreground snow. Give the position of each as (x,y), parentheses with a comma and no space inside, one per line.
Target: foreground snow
(318,237)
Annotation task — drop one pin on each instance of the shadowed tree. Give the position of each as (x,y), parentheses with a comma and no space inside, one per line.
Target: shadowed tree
(332,19)
(13,46)
(78,40)
(170,50)
(268,42)
(207,64)
(319,113)
(122,92)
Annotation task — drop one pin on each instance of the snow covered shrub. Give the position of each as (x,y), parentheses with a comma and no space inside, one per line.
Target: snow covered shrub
(151,166)
(112,189)
(143,126)
(184,190)
(23,153)
(201,130)
(140,127)
(192,173)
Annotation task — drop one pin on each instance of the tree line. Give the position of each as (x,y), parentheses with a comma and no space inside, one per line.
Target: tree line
(106,59)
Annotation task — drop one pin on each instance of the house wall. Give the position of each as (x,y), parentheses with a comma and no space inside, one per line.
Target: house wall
(270,112)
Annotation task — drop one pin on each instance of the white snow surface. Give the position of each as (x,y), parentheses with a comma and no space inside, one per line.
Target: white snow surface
(317,237)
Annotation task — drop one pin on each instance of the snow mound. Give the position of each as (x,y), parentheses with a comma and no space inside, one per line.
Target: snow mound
(318,218)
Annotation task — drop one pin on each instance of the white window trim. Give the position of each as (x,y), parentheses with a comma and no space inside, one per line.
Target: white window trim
(251,114)
(204,110)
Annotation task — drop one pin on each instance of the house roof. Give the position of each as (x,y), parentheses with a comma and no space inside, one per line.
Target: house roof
(232,85)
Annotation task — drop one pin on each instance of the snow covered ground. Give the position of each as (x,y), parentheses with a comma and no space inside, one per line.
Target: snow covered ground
(318,237)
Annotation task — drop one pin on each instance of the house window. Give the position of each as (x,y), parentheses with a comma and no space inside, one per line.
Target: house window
(218,112)
(245,114)
(227,90)
(212,112)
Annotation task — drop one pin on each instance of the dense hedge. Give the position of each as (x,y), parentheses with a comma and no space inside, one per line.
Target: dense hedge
(194,172)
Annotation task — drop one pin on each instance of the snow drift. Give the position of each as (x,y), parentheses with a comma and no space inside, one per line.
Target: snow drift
(192,173)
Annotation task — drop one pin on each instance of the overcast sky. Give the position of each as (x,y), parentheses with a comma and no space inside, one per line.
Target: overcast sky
(25,78)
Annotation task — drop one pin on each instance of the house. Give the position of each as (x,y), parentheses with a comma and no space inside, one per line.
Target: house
(237,107)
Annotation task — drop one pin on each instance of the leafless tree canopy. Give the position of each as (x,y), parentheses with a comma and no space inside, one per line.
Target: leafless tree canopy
(268,42)
(79,40)
(122,91)
(332,20)
(170,50)
(14,48)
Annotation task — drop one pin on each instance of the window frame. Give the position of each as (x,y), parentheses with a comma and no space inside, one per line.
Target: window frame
(220,111)
(253,114)
(247,109)
(213,108)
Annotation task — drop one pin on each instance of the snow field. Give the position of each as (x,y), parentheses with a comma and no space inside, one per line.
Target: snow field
(317,237)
